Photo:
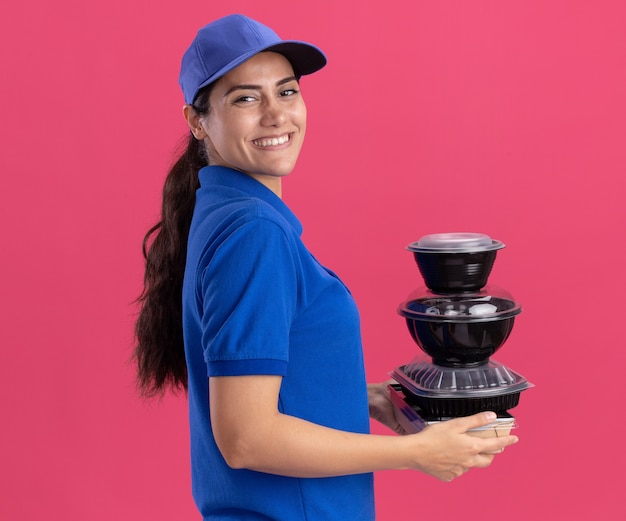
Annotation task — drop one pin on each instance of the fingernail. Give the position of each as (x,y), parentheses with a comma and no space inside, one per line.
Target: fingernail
(491,416)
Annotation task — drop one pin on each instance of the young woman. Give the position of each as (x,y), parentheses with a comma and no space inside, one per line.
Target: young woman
(239,313)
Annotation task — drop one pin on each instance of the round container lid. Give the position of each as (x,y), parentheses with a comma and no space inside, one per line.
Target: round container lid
(490,303)
(424,378)
(459,242)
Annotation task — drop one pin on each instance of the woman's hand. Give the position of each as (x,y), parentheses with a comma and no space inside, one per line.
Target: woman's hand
(448,451)
(381,408)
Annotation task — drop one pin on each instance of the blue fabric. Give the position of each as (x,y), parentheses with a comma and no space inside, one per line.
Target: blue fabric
(255,301)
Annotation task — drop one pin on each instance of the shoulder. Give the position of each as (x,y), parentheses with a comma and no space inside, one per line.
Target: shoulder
(228,203)
(221,220)
(240,226)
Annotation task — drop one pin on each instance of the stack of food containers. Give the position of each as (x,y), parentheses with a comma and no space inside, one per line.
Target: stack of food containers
(459,322)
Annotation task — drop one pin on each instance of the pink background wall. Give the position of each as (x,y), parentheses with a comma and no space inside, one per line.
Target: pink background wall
(502,117)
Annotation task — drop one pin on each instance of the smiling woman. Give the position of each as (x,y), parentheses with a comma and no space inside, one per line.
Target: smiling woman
(237,311)
(257,120)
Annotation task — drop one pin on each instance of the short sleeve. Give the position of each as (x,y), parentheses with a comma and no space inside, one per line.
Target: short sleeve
(249,294)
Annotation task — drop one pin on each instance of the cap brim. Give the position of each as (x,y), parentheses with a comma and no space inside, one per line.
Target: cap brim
(304,58)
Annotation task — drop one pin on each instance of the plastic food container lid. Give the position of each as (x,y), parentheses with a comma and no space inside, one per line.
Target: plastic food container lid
(489,303)
(424,378)
(457,242)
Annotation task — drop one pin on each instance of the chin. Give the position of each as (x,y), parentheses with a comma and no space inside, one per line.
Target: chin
(278,170)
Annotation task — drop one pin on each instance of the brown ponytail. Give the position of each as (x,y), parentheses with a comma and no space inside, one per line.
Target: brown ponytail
(159,352)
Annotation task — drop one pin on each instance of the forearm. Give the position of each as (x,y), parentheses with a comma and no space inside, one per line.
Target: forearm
(291,446)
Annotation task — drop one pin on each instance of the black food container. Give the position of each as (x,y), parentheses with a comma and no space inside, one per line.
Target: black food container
(448,391)
(460,330)
(455,262)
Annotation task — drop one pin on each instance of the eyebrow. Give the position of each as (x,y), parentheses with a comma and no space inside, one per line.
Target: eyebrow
(258,87)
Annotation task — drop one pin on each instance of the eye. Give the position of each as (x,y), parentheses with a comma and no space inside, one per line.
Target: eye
(289,92)
(244,99)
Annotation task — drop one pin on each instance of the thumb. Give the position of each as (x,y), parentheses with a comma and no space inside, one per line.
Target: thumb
(481,419)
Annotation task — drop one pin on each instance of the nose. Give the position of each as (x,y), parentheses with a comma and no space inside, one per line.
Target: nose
(274,115)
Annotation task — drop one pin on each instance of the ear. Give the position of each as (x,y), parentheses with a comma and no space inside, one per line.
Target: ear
(194,122)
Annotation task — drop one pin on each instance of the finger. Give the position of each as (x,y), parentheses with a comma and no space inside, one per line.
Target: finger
(399,429)
(451,473)
(497,445)
(476,420)
(484,460)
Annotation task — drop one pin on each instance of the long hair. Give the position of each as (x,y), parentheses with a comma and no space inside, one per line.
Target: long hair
(159,351)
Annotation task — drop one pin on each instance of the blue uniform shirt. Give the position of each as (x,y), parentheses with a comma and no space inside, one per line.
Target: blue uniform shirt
(255,301)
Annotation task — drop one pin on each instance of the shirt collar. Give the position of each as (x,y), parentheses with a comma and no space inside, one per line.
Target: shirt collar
(230,178)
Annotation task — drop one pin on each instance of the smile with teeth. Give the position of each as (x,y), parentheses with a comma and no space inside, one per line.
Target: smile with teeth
(272,142)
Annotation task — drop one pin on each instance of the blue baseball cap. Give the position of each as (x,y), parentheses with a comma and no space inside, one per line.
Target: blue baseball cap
(226,43)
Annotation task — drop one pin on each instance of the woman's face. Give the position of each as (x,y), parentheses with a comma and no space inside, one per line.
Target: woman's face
(257,119)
